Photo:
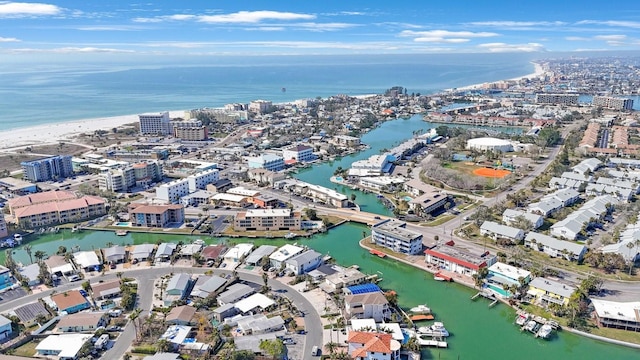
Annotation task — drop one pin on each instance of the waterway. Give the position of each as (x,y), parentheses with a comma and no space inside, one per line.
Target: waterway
(477,331)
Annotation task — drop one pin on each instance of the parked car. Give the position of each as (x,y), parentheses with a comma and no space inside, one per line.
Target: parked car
(83,293)
(114,328)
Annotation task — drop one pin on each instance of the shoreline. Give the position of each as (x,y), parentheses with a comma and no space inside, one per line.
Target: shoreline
(538,70)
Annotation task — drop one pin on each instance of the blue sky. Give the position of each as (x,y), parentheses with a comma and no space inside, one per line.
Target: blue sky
(316,27)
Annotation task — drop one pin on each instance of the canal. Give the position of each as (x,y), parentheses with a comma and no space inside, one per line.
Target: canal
(477,331)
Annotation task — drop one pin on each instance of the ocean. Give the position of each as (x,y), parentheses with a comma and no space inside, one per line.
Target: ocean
(41,93)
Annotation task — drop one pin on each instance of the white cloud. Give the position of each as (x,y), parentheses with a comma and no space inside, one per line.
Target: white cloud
(4,39)
(517,24)
(577,38)
(323,26)
(618,23)
(441,40)
(70,50)
(267,28)
(444,36)
(243,17)
(610,37)
(19,9)
(181,17)
(109,28)
(503,47)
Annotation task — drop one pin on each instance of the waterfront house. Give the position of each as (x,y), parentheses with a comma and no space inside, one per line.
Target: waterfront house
(114,255)
(70,301)
(555,247)
(393,235)
(107,289)
(509,216)
(65,347)
(458,260)
(58,266)
(255,258)
(6,329)
(142,252)
(498,231)
(546,291)
(342,277)
(82,322)
(364,345)
(87,260)
(264,176)
(213,252)
(285,252)
(368,305)
(617,315)
(181,315)
(165,251)
(235,293)
(502,276)
(238,252)
(304,262)
(30,274)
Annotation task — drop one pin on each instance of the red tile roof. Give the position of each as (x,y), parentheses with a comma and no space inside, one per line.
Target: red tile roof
(371,342)
(42,197)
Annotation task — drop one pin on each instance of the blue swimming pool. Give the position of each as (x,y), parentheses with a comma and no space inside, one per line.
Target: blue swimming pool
(339,178)
(123,224)
(189,341)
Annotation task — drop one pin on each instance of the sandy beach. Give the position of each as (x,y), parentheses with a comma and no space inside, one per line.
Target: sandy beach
(54,133)
(538,71)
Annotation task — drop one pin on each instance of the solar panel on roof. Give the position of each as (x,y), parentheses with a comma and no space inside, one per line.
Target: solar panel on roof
(363,288)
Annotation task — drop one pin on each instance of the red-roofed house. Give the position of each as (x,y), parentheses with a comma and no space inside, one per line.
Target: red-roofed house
(373,346)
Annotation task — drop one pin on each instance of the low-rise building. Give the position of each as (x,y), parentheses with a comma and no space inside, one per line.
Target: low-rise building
(238,252)
(107,289)
(342,277)
(165,251)
(260,324)
(501,276)
(546,291)
(266,161)
(178,288)
(5,277)
(364,345)
(207,285)
(498,231)
(509,216)
(304,262)
(30,274)
(158,216)
(299,153)
(114,255)
(458,260)
(142,252)
(81,322)
(181,315)
(369,305)
(267,220)
(50,207)
(285,252)
(30,314)
(254,303)
(66,346)
(70,301)
(256,257)
(87,260)
(393,235)
(235,293)
(617,315)
(555,247)
(6,330)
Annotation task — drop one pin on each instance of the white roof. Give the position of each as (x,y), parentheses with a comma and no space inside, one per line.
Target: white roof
(488,141)
(86,259)
(239,190)
(64,269)
(285,252)
(228,197)
(268,212)
(617,310)
(359,324)
(238,251)
(68,344)
(254,301)
(509,271)
(176,333)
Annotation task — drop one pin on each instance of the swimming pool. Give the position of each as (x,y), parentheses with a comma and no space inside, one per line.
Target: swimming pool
(122,224)
(407,198)
(189,341)
(339,178)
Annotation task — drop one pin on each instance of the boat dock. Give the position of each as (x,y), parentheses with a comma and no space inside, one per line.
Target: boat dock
(378,253)
(488,295)
(439,343)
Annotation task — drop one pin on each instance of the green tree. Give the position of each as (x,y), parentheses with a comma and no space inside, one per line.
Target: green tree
(28,248)
(311,214)
(40,255)
(274,348)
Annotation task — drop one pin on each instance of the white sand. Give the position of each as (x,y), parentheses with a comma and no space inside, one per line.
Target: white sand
(538,70)
(56,132)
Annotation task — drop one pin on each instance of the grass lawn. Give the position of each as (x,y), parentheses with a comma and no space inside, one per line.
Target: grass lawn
(440,220)
(366,242)
(26,350)
(628,336)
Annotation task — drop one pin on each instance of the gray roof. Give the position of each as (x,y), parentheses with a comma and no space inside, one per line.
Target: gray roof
(163,356)
(304,257)
(395,229)
(224,308)
(257,254)
(235,292)
(554,243)
(30,272)
(165,249)
(4,321)
(552,286)
(251,342)
(564,194)
(115,250)
(209,284)
(546,205)
(534,218)
(179,282)
(142,251)
(500,229)
(30,311)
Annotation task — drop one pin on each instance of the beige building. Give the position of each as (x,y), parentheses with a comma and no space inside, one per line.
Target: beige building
(267,220)
(55,207)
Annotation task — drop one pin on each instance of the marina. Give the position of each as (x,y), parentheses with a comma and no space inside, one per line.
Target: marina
(539,326)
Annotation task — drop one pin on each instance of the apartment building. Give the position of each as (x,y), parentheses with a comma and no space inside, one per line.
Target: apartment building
(613,103)
(159,216)
(267,220)
(393,234)
(46,169)
(557,99)
(266,161)
(155,123)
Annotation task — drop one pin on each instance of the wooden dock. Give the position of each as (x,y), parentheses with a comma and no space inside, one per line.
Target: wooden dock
(487,295)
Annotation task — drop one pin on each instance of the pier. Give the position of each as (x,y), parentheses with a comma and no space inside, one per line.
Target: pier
(488,295)
(434,342)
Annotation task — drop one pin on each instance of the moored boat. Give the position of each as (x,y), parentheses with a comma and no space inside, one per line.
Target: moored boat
(121,232)
(437,329)
(545,331)
(421,309)
(522,319)
(532,326)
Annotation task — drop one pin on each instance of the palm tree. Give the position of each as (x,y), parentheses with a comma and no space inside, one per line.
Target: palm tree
(135,314)
(630,246)
(40,255)
(27,248)
(331,346)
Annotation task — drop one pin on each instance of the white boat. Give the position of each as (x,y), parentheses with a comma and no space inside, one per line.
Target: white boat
(439,278)
(532,326)
(544,331)
(198,242)
(290,235)
(437,329)
(521,319)
(121,232)
(421,310)
(17,238)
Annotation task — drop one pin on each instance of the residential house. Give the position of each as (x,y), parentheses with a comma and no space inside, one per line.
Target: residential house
(207,285)
(213,252)
(285,252)
(570,180)
(304,262)
(555,247)
(587,166)
(235,293)
(30,274)
(501,275)
(5,277)
(225,311)
(546,291)
(107,289)
(81,322)
(617,315)
(566,196)
(498,231)
(163,356)
(114,255)
(87,260)
(260,324)
(458,260)
(29,314)
(65,347)
(165,251)
(70,301)
(368,305)
(181,315)
(393,235)
(373,346)
(589,213)
(341,278)
(628,236)
(509,216)
(545,207)
(6,330)
(255,303)
(255,258)
(238,252)
(142,252)
(178,288)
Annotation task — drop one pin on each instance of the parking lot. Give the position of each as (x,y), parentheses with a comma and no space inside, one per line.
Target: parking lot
(12,294)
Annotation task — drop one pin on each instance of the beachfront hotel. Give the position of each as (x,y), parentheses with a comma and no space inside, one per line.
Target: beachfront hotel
(267,220)
(55,207)
(458,260)
(46,169)
(155,123)
(393,235)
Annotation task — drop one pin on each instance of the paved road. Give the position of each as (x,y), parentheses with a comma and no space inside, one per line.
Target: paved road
(146,278)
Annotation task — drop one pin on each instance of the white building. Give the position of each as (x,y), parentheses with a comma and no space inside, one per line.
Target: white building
(64,346)
(238,252)
(498,231)
(304,262)
(375,165)
(259,106)
(200,180)
(278,258)
(555,247)
(300,153)
(155,123)
(372,305)
(174,190)
(393,234)
(511,215)
(266,161)
(487,143)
